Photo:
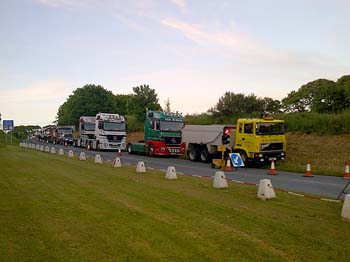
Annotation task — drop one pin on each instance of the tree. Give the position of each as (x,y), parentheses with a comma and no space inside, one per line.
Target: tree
(167,105)
(238,105)
(124,104)
(270,106)
(343,84)
(322,96)
(85,101)
(145,98)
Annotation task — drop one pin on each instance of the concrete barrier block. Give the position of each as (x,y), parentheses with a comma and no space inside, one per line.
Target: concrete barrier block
(82,156)
(345,212)
(98,159)
(70,153)
(171,173)
(37,147)
(265,190)
(47,149)
(42,148)
(53,150)
(140,168)
(60,152)
(220,180)
(116,162)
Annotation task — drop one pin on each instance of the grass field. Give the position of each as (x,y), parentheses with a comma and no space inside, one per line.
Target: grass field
(59,209)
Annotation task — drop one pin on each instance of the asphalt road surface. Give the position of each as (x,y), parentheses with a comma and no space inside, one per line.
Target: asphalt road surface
(326,186)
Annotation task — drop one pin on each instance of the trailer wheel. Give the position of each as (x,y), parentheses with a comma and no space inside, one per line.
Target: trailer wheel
(204,155)
(193,154)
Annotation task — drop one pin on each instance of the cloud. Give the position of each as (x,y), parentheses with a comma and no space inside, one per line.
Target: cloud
(36,104)
(200,35)
(181,4)
(52,90)
(69,4)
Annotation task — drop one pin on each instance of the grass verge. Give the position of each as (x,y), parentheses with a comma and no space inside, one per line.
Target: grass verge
(59,209)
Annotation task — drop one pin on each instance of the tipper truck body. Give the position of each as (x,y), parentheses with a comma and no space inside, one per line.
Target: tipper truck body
(259,140)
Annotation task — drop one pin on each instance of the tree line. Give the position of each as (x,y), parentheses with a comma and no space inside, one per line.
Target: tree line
(321,96)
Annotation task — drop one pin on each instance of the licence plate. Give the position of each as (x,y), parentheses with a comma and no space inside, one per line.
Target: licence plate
(174,150)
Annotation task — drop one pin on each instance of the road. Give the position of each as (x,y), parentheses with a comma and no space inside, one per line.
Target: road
(326,186)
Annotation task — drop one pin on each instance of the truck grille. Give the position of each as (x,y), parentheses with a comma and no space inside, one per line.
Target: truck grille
(114,138)
(172,140)
(271,146)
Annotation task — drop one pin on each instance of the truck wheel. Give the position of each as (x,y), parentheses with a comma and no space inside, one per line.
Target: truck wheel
(150,150)
(98,147)
(205,156)
(193,155)
(129,148)
(244,157)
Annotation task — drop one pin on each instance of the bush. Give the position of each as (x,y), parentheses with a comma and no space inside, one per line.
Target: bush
(133,125)
(311,122)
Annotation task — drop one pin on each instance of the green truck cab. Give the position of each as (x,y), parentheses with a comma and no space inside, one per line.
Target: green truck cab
(163,135)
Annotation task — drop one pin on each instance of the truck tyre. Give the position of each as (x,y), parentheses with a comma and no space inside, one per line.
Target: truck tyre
(98,146)
(204,156)
(129,148)
(193,154)
(150,150)
(244,157)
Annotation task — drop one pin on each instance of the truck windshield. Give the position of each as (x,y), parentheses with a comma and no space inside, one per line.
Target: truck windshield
(171,125)
(113,126)
(65,130)
(270,128)
(89,126)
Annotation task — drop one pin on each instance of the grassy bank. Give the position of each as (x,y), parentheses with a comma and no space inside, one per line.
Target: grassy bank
(327,153)
(59,209)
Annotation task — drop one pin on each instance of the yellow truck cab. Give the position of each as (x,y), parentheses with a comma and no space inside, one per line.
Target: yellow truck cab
(259,139)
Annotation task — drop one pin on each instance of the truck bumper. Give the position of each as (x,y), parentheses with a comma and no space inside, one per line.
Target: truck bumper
(269,156)
(161,149)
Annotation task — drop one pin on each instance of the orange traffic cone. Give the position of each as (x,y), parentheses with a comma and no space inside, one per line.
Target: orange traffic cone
(88,147)
(308,170)
(228,164)
(346,172)
(65,143)
(272,170)
(119,152)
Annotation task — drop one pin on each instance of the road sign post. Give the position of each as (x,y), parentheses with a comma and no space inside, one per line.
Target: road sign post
(8,126)
(236,160)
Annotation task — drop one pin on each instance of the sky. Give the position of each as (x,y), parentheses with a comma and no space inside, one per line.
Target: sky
(190,51)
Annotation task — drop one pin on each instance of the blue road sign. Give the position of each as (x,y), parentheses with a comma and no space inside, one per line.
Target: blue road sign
(236,160)
(7,125)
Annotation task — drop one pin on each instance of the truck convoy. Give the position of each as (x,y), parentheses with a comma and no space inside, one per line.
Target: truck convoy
(47,134)
(86,131)
(63,135)
(258,140)
(162,135)
(103,132)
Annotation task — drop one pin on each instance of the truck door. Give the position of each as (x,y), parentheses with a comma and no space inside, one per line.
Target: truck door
(245,137)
